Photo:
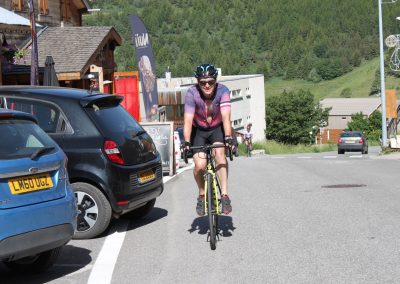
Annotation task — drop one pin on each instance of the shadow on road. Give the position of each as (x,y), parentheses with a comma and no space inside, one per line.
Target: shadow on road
(155,215)
(72,259)
(225,225)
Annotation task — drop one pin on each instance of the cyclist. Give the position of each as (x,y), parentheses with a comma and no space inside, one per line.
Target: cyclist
(248,136)
(207,120)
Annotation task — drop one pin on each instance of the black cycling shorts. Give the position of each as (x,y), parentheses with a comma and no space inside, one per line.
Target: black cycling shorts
(201,137)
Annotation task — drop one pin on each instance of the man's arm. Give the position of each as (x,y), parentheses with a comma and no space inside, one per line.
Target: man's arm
(226,121)
(187,126)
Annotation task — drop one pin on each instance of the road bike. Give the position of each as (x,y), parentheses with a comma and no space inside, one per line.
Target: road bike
(212,193)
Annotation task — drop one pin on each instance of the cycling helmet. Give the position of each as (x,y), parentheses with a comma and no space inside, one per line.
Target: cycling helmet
(206,71)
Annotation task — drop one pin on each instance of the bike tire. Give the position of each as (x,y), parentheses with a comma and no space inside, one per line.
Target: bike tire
(211,213)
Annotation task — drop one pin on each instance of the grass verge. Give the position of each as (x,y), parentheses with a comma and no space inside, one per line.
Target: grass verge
(272,147)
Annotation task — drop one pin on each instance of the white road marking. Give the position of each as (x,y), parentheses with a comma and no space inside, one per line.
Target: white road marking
(168,178)
(103,268)
(304,157)
(355,156)
(277,157)
(330,157)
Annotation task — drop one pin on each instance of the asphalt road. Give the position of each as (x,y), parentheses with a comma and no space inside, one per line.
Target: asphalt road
(310,218)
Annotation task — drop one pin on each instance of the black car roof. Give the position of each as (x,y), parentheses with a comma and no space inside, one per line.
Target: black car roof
(44,90)
(55,92)
(13,114)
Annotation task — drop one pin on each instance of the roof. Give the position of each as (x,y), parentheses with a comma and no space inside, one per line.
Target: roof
(349,106)
(11,69)
(10,18)
(73,47)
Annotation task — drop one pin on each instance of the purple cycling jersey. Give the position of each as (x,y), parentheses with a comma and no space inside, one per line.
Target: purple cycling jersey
(207,112)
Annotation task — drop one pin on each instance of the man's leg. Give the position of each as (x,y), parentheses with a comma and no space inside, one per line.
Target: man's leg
(198,172)
(222,172)
(222,169)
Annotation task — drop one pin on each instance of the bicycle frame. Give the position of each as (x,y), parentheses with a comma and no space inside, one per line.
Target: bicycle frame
(216,190)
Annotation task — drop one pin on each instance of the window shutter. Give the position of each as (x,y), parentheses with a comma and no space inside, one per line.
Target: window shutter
(18,5)
(43,7)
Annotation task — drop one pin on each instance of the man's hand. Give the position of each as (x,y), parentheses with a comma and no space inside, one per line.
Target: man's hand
(185,151)
(186,146)
(228,141)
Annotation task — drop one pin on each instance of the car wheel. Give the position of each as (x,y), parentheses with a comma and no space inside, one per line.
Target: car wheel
(36,263)
(142,211)
(340,152)
(94,211)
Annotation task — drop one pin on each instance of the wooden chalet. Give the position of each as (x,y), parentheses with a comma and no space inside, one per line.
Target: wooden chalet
(74,48)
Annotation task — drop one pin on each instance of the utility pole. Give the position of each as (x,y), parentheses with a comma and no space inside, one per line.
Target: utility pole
(34,49)
(382,69)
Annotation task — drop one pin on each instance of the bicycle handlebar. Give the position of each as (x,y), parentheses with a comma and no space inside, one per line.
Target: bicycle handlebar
(208,148)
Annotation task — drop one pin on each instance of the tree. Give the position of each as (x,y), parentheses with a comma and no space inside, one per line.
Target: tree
(291,117)
(359,122)
(372,125)
(346,93)
(376,84)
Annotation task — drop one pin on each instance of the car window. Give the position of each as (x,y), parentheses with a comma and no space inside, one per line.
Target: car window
(351,134)
(21,138)
(114,121)
(49,117)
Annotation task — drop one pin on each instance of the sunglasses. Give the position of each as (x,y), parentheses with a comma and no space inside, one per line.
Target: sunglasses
(204,83)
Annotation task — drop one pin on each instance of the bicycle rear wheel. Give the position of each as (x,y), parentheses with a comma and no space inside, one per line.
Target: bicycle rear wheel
(212,217)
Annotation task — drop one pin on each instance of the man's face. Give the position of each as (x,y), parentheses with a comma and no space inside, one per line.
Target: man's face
(207,85)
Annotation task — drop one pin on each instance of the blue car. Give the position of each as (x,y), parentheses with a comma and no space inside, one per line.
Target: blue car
(37,205)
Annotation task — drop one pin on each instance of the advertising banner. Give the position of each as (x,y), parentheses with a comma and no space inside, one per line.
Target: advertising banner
(391,105)
(146,64)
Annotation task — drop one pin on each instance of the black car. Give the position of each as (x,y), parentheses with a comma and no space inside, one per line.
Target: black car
(113,165)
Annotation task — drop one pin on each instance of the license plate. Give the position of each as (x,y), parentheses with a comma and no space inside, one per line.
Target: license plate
(146,176)
(30,183)
(350,141)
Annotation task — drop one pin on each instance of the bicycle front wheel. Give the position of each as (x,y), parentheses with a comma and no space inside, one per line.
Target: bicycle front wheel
(212,218)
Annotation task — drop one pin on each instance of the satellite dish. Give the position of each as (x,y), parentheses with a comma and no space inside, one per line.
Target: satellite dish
(391,41)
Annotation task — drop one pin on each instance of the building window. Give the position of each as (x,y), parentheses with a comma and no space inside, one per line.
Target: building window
(18,5)
(236,94)
(43,7)
(237,122)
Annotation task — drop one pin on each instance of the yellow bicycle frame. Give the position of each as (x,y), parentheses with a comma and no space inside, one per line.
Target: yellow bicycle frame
(210,171)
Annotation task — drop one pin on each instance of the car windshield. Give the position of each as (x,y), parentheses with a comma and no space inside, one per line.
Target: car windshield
(22,138)
(351,134)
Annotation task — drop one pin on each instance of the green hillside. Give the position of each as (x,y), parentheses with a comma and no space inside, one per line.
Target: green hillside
(312,40)
(358,81)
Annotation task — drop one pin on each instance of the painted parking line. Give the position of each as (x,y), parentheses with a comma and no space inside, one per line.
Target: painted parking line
(304,157)
(104,266)
(330,157)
